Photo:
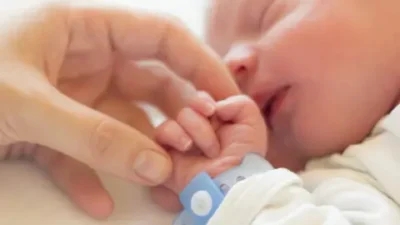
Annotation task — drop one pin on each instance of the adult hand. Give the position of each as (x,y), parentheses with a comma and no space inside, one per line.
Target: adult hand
(63,68)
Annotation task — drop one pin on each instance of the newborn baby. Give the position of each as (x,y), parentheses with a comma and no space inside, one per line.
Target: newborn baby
(325,75)
(352,188)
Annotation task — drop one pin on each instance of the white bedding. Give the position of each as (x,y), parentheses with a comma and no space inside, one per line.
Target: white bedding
(27,197)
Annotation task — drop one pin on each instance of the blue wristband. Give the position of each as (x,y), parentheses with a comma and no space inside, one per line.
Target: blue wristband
(203,195)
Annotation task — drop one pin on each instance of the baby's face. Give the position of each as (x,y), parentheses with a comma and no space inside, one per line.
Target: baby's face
(323,71)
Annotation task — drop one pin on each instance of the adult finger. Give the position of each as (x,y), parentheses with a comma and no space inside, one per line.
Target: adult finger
(171,43)
(77,180)
(115,106)
(89,136)
(154,83)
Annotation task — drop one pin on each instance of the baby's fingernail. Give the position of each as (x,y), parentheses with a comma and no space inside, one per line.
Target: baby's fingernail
(186,143)
(151,166)
(209,108)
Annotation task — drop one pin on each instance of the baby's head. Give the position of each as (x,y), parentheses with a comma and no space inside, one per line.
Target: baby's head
(324,71)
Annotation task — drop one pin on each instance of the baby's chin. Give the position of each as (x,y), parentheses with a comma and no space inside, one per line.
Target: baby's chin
(285,158)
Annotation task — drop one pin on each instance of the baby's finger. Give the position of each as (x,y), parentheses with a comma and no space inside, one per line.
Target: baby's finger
(203,104)
(247,130)
(170,133)
(200,130)
(240,109)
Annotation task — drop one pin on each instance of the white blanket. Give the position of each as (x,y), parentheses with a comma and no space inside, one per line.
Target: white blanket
(28,197)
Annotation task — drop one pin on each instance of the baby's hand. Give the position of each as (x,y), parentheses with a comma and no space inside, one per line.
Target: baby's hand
(209,136)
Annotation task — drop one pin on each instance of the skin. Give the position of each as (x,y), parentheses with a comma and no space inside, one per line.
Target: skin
(336,60)
(219,135)
(339,59)
(68,79)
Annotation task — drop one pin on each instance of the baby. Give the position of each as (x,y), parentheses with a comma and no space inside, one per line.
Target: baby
(325,74)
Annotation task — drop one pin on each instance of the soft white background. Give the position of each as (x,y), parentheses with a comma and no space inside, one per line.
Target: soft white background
(27,197)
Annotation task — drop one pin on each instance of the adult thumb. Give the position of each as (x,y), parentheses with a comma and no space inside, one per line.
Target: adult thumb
(58,122)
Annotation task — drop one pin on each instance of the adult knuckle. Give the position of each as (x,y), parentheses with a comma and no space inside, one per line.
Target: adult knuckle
(174,22)
(8,132)
(173,26)
(17,150)
(164,82)
(13,124)
(102,139)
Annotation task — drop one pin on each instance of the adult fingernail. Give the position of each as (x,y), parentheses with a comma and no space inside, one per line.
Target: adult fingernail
(151,166)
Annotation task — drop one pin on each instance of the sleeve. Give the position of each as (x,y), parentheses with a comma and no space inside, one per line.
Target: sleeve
(279,198)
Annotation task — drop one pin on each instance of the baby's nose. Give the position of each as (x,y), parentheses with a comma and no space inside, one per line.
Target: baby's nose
(242,62)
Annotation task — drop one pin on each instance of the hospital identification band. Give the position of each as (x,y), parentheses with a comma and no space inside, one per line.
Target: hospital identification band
(203,195)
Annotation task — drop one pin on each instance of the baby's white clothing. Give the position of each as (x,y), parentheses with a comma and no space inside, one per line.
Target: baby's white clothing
(360,186)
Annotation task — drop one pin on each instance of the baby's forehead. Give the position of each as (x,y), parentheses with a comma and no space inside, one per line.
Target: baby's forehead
(236,6)
(228,16)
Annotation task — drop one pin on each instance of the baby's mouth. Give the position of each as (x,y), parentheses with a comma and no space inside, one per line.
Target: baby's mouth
(272,106)
(267,112)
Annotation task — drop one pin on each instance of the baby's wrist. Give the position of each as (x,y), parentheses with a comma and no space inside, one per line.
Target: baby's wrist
(205,193)
(223,165)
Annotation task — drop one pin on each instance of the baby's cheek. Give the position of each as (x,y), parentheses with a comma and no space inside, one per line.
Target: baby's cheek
(315,136)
